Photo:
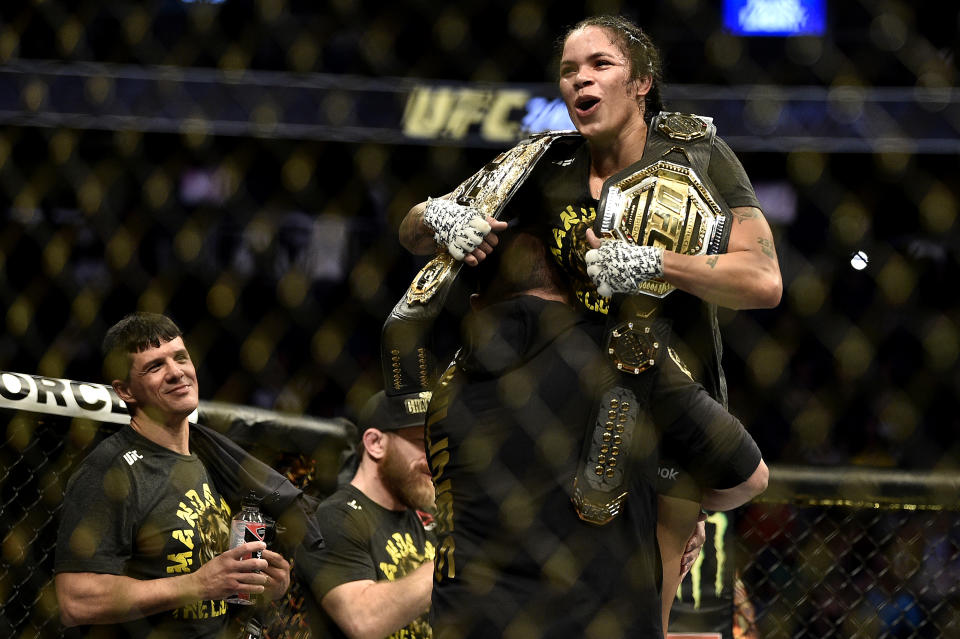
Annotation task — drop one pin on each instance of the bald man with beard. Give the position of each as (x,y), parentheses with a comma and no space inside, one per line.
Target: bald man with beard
(374,577)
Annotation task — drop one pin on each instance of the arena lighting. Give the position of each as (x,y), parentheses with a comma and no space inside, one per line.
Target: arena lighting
(775,17)
(859,260)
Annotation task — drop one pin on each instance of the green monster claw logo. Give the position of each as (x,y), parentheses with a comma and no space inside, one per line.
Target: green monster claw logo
(720,524)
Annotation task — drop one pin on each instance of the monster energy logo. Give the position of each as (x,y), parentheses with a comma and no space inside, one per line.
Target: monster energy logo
(720,524)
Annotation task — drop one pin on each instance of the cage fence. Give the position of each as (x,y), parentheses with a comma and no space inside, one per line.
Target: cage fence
(827,552)
(244,166)
(852,553)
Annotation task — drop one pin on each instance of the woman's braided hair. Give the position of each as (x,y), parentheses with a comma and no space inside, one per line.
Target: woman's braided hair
(637,46)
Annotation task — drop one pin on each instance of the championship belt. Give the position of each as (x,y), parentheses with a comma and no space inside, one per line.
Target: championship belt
(600,487)
(666,203)
(620,427)
(664,200)
(408,363)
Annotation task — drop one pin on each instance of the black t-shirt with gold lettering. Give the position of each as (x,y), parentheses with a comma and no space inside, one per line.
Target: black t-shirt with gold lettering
(556,198)
(364,541)
(137,509)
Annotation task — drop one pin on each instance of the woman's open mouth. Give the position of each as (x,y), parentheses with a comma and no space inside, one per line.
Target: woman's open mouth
(586,105)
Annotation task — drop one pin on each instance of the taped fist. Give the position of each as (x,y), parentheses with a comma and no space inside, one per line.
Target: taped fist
(620,267)
(460,228)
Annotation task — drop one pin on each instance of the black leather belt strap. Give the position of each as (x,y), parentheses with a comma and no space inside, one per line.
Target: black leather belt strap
(622,431)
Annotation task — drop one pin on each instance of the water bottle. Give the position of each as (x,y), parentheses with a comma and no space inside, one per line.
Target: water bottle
(248,525)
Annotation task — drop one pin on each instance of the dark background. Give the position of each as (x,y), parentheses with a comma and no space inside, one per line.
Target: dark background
(283,266)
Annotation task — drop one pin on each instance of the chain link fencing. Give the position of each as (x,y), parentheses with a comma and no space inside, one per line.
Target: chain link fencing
(51,425)
(852,553)
(836,571)
(825,553)
(243,166)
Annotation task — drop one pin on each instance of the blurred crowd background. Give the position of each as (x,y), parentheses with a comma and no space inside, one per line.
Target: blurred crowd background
(243,166)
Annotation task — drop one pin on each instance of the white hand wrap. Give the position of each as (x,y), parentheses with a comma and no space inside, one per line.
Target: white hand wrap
(460,228)
(620,267)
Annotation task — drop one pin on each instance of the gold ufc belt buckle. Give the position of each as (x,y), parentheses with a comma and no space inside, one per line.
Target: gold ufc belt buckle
(666,205)
(632,348)
(684,126)
(428,280)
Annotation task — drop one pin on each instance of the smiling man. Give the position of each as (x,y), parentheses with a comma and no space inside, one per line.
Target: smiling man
(143,542)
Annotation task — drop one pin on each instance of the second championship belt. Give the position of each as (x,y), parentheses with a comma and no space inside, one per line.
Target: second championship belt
(409,364)
(621,433)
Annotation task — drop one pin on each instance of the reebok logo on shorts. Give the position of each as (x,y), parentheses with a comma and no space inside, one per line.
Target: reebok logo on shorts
(671,474)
